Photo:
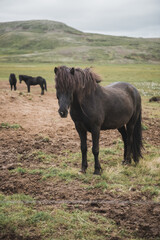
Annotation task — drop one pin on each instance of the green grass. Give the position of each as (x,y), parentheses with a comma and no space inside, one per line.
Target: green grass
(45,70)
(115,177)
(8,125)
(42,157)
(18,212)
(145,77)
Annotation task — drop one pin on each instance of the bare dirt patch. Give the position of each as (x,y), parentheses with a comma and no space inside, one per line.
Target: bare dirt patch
(41,129)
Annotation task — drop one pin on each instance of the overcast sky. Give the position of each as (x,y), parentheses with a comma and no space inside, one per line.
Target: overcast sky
(137,18)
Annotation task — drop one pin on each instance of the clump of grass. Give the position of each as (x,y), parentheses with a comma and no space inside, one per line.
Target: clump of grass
(64,174)
(8,125)
(144,127)
(50,173)
(29,171)
(153,191)
(102,184)
(39,217)
(42,157)
(21,94)
(20,170)
(36,171)
(46,139)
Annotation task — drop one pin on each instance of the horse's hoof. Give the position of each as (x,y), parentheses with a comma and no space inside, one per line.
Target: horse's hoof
(126,162)
(136,163)
(82,171)
(98,171)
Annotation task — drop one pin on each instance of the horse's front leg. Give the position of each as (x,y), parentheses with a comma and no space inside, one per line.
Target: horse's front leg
(83,137)
(95,150)
(28,86)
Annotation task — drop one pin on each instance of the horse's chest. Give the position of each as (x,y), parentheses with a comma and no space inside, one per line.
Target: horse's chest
(82,119)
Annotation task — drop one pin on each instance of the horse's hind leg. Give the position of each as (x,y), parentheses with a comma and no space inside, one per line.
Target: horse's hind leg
(15,88)
(42,90)
(130,129)
(123,132)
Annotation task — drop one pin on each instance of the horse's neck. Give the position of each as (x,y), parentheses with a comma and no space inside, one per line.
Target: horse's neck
(76,101)
(25,79)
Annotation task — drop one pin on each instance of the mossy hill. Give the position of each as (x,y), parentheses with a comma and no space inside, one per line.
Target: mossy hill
(50,41)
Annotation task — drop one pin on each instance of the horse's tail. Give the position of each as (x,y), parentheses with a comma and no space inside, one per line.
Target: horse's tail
(137,140)
(45,84)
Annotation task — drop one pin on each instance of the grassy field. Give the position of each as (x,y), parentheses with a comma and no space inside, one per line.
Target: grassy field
(145,77)
(19,213)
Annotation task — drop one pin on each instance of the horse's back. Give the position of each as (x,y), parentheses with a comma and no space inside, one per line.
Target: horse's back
(121,102)
(120,85)
(123,87)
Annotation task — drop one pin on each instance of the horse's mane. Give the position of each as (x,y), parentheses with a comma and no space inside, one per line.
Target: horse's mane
(76,79)
(25,76)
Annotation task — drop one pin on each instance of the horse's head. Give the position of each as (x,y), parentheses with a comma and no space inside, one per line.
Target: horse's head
(63,90)
(20,78)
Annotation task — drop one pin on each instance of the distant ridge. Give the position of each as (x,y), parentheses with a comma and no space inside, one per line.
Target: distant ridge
(35,26)
(51,41)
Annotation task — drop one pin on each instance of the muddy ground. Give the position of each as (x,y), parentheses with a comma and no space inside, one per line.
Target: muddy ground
(38,118)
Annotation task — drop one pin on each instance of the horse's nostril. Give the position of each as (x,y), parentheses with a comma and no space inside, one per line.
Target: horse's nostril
(63,114)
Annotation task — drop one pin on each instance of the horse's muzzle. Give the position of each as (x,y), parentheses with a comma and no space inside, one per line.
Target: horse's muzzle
(63,114)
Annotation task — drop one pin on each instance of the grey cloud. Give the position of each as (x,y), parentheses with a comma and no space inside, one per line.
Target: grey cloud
(132,17)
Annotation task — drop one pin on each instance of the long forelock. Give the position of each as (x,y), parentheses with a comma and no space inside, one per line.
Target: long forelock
(64,79)
(82,80)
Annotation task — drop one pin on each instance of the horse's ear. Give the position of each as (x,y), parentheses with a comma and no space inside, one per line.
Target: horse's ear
(55,70)
(72,71)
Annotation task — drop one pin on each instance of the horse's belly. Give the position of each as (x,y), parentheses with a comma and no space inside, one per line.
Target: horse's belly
(110,125)
(116,122)
(34,83)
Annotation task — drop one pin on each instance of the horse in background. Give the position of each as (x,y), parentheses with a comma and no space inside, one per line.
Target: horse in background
(13,81)
(34,81)
(94,108)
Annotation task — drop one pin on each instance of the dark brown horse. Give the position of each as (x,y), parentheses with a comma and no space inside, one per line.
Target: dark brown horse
(13,81)
(34,81)
(94,108)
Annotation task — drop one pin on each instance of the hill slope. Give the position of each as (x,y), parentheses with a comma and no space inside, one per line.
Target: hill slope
(50,41)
